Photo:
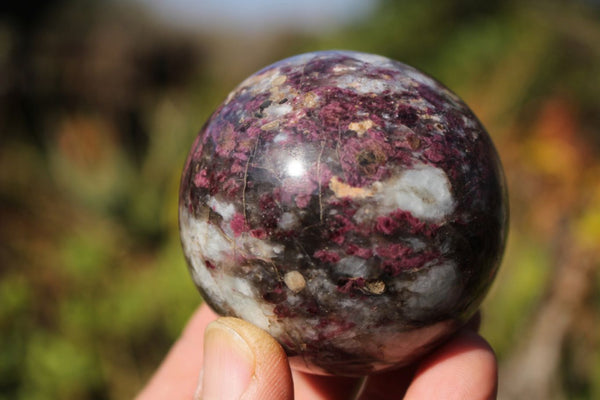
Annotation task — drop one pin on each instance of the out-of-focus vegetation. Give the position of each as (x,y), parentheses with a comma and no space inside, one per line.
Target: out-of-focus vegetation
(100,101)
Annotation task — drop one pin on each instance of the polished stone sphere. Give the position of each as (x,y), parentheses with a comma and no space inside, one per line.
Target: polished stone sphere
(348,204)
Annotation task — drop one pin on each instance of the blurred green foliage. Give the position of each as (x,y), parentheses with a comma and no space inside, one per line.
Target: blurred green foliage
(100,103)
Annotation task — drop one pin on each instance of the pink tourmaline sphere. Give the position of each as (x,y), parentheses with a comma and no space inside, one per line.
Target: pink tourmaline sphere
(349,205)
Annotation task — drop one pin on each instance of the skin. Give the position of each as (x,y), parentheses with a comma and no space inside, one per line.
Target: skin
(236,360)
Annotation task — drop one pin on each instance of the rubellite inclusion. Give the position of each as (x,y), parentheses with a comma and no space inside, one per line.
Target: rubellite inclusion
(348,204)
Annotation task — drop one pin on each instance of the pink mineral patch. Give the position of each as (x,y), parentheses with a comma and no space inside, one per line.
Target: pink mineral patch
(238,224)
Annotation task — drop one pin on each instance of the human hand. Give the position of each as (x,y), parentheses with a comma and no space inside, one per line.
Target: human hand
(236,360)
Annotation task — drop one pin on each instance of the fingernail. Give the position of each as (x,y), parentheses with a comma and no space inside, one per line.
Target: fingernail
(228,363)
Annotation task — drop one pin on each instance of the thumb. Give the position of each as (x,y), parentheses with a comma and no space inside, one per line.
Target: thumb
(242,361)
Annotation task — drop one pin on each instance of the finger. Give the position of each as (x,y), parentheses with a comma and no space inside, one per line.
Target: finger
(463,368)
(316,387)
(387,385)
(242,361)
(177,377)
(394,384)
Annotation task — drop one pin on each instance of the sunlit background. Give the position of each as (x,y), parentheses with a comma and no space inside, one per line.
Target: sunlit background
(100,102)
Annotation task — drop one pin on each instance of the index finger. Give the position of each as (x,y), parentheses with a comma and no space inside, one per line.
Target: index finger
(463,368)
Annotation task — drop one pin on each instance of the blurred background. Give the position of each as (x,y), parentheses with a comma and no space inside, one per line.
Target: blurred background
(100,102)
